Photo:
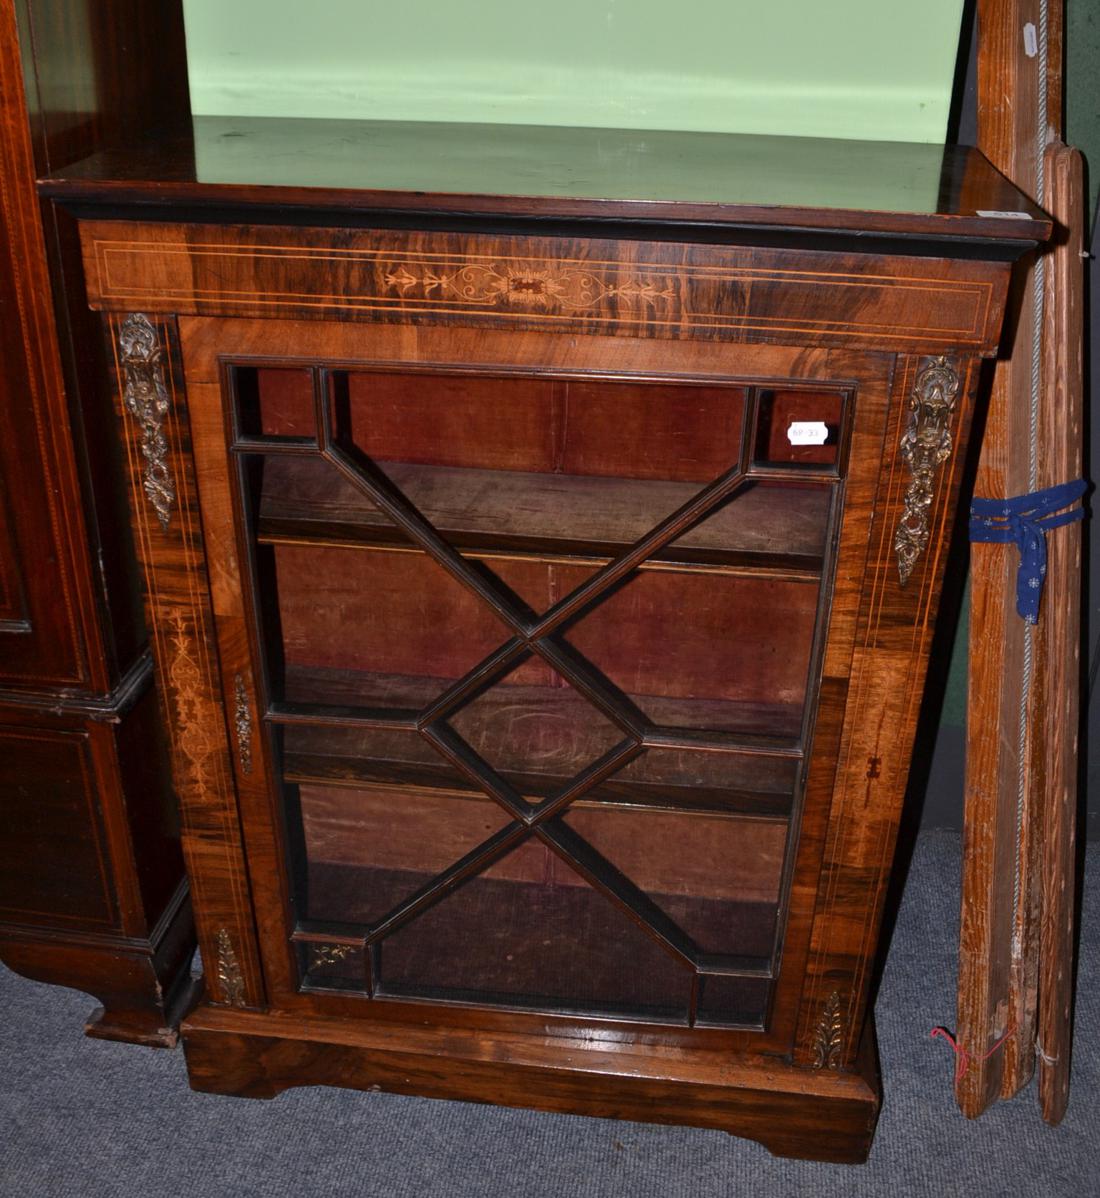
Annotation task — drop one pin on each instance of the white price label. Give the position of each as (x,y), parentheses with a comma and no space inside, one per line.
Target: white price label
(1031,40)
(808,432)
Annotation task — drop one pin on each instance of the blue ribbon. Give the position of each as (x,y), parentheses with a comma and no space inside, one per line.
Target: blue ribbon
(1024,520)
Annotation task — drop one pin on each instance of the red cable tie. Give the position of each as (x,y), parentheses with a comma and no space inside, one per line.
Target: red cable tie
(962,1057)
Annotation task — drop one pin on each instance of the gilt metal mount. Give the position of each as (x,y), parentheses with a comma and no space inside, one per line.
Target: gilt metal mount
(146,399)
(242,719)
(925,446)
(829,1034)
(229,971)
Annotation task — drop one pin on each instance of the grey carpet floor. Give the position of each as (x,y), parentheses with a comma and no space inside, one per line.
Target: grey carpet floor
(88,1118)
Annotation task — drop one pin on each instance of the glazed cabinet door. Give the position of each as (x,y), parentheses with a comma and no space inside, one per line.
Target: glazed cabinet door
(522,643)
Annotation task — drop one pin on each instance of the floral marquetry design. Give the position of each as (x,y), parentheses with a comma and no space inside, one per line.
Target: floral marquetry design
(530,285)
(194,738)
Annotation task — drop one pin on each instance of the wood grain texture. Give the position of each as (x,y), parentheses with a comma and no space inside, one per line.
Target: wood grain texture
(1056,700)
(892,630)
(70,86)
(90,832)
(206,340)
(846,931)
(819,1115)
(624,288)
(549,515)
(998,969)
(101,73)
(48,779)
(178,614)
(243,307)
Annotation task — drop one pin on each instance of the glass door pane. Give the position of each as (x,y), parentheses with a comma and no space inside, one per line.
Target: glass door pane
(539,669)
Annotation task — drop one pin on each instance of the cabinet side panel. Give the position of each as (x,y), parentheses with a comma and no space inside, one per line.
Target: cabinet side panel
(888,668)
(166,519)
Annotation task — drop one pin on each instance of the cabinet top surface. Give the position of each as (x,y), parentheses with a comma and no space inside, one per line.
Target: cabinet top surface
(551,172)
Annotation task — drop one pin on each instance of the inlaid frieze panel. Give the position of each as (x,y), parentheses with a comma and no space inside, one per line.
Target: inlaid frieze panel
(625,288)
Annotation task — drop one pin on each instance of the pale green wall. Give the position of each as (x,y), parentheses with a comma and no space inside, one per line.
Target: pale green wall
(840,68)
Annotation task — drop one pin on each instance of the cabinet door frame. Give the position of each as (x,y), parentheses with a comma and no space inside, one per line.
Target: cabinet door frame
(207,342)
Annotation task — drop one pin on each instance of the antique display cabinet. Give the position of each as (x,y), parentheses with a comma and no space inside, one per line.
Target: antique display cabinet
(541,558)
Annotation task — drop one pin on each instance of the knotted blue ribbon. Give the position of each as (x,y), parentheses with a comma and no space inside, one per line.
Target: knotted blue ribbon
(1024,520)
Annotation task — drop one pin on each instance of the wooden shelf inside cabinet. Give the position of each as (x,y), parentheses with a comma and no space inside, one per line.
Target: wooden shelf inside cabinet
(505,726)
(768,526)
(579,946)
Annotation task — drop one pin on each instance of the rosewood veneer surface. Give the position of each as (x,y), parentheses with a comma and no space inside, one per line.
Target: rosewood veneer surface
(524,757)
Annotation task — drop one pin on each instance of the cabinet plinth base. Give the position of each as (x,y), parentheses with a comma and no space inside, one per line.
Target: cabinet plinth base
(144,986)
(804,1113)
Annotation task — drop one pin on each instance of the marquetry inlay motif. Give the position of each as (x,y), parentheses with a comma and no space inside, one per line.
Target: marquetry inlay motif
(601,286)
(829,1035)
(229,971)
(147,401)
(925,446)
(526,284)
(194,739)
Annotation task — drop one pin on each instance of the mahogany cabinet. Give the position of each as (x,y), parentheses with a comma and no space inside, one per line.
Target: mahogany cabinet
(92,887)
(541,588)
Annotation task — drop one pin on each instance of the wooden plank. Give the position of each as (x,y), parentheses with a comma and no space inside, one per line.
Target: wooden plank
(662,852)
(998,939)
(1056,698)
(549,514)
(538,737)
